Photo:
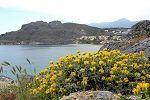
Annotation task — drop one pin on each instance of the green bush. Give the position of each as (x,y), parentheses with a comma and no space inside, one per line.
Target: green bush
(104,70)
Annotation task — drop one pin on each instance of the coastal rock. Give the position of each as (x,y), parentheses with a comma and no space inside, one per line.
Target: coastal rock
(143,45)
(104,95)
(132,97)
(90,95)
(6,81)
(140,28)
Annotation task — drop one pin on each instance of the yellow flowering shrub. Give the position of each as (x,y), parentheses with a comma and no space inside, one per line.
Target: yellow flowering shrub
(104,70)
(141,87)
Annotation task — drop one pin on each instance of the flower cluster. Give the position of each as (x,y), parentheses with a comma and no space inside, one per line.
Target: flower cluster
(141,87)
(103,70)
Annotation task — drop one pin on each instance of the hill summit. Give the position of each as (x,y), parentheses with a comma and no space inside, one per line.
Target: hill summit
(54,32)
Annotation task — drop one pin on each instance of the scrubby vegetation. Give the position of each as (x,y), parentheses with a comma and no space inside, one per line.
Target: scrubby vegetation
(104,70)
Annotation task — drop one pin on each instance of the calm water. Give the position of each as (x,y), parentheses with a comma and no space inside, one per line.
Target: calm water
(38,55)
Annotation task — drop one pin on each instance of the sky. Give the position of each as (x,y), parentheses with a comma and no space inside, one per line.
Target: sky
(14,13)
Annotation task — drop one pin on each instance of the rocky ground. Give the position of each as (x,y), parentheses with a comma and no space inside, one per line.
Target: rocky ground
(130,47)
(5,82)
(97,95)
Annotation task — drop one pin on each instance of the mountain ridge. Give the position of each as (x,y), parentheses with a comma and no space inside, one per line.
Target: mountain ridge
(53,32)
(120,23)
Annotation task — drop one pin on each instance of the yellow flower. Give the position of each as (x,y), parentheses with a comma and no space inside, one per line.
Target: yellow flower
(146,86)
(51,62)
(70,66)
(125,68)
(137,74)
(113,76)
(141,87)
(93,63)
(143,72)
(135,91)
(135,66)
(120,81)
(101,71)
(47,76)
(102,63)
(148,75)
(37,78)
(143,77)
(43,71)
(105,49)
(109,79)
(35,91)
(114,68)
(103,78)
(62,90)
(109,61)
(115,65)
(53,78)
(82,70)
(84,81)
(111,72)
(125,80)
(84,53)
(78,51)
(86,62)
(125,60)
(50,90)
(73,74)
(53,85)
(60,73)
(61,59)
(67,80)
(77,60)
(93,69)
(125,72)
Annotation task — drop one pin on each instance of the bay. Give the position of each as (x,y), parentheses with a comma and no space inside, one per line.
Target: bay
(39,55)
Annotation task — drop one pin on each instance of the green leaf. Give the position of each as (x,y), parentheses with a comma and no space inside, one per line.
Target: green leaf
(14,69)
(17,77)
(28,60)
(18,68)
(5,63)
(13,72)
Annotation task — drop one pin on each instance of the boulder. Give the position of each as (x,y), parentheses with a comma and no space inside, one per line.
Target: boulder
(90,95)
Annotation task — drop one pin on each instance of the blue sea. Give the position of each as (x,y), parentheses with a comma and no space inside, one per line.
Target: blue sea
(39,55)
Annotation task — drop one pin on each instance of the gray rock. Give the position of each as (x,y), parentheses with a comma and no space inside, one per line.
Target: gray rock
(132,97)
(90,95)
(143,45)
(104,95)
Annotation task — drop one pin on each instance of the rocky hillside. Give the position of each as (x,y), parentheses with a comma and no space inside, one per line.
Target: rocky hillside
(53,32)
(141,28)
(140,40)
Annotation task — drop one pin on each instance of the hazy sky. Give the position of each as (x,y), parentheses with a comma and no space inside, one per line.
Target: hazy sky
(14,13)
